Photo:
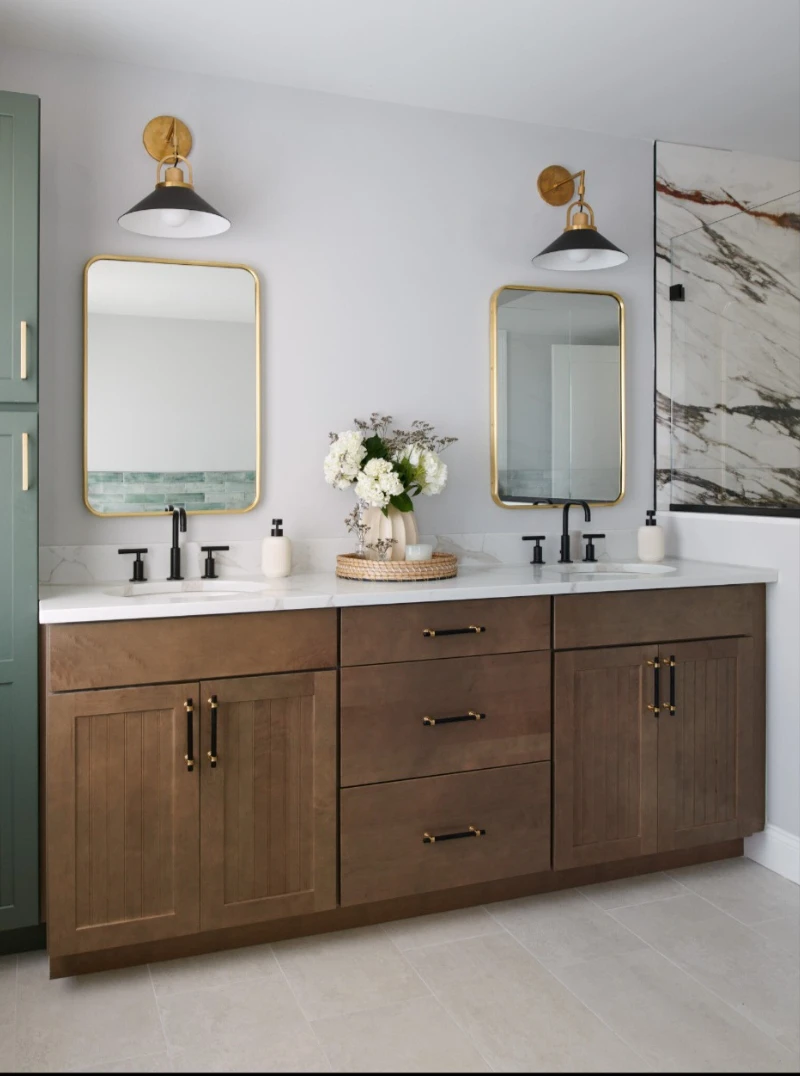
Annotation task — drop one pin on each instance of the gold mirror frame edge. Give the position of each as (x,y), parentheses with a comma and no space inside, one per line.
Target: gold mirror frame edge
(493,396)
(167,261)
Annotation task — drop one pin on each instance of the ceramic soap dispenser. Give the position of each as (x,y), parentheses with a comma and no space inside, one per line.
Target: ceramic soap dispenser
(651,540)
(276,553)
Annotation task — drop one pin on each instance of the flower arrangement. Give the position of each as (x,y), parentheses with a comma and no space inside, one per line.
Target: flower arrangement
(387,467)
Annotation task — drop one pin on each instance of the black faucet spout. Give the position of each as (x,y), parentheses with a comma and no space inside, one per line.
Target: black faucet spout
(178,527)
(565,557)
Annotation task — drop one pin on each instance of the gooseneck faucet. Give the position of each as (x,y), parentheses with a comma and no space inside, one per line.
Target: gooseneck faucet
(178,526)
(565,557)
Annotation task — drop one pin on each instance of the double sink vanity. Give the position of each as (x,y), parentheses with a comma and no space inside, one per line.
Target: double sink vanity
(229,762)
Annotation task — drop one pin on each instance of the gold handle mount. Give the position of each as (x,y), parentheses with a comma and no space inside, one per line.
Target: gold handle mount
(23,350)
(433,633)
(26,470)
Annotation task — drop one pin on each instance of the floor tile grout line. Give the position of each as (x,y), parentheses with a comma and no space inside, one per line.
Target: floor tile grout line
(303,1012)
(724,911)
(704,986)
(160,1017)
(15,1022)
(580,1001)
(428,945)
(635,903)
(440,1002)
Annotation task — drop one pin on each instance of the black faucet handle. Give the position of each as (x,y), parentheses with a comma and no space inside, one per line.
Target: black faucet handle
(590,557)
(138,564)
(210,565)
(538,556)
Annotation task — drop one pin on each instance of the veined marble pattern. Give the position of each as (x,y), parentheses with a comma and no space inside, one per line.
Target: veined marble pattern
(728,358)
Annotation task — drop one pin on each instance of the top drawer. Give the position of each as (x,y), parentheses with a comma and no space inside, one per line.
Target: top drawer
(376,634)
(127,652)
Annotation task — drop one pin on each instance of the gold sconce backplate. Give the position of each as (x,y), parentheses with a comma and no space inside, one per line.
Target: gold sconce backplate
(553,186)
(165,136)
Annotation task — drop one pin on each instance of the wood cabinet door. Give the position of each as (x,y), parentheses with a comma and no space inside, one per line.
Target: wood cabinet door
(708,743)
(122,817)
(268,812)
(604,756)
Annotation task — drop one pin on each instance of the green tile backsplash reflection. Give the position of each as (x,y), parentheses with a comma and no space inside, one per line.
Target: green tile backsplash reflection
(147,491)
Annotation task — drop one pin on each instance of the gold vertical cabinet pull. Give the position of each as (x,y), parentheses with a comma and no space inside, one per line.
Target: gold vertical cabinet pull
(23,350)
(26,471)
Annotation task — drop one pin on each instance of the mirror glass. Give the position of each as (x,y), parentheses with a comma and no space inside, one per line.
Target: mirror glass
(172,387)
(557,396)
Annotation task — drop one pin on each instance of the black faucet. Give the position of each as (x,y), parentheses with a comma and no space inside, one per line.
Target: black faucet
(565,558)
(178,525)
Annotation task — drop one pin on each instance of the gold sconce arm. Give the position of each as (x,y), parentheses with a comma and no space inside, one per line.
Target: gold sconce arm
(171,179)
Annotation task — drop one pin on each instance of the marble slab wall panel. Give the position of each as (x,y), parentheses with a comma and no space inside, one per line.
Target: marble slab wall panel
(133,492)
(728,357)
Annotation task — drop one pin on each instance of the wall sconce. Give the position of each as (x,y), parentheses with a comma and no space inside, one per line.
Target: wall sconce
(580,246)
(173,210)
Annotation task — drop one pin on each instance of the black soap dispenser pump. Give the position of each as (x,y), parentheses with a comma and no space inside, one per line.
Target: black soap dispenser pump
(276,553)
(651,540)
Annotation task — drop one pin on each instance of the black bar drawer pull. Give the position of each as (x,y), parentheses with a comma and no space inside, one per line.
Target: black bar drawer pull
(655,705)
(473,629)
(212,754)
(473,715)
(671,663)
(473,831)
(189,756)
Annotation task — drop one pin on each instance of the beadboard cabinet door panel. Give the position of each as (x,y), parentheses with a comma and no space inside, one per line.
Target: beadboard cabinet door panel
(707,745)
(604,756)
(19,247)
(19,738)
(123,811)
(268,810)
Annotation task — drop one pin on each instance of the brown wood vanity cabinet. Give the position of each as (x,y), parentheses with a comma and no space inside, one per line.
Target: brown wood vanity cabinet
(185,807)
(657,747)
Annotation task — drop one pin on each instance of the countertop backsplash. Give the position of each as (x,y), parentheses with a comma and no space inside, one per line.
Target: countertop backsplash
(103,564)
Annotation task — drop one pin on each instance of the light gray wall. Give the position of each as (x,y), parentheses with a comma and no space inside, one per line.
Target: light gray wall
(171,394)
(379,232)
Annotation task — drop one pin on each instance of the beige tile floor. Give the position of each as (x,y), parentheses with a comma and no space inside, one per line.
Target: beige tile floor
(695,971)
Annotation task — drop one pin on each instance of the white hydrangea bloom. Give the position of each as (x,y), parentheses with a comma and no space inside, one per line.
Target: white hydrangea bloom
(377,483)
(344,458)
(431,472)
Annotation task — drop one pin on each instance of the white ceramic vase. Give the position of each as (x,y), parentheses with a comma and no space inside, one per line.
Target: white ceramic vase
(402,526)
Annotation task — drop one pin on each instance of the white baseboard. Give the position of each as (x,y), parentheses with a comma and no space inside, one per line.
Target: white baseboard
(776,850)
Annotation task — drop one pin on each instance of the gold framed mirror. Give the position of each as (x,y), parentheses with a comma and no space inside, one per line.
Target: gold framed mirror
(172,386)
(557,396)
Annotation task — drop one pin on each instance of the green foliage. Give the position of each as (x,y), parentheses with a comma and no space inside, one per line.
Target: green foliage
(402,503)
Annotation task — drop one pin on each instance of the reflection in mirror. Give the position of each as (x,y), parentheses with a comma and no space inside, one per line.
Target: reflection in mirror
(172,409)
(557,396)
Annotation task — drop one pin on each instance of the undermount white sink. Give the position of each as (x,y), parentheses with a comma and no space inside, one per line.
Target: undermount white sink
(606,570)
(189,590)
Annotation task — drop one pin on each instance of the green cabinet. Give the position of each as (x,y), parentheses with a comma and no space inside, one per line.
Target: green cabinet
(19,751)
(19,248)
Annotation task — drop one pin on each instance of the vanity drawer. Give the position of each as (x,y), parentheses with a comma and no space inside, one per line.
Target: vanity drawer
(128,652)
(384,855)
(384,737)
(372,635)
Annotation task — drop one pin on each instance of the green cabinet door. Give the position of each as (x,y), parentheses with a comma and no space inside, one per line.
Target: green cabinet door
(19,247)
(19,752)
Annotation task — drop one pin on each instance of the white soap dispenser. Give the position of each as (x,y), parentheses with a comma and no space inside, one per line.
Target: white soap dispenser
(276,553)
(651,540)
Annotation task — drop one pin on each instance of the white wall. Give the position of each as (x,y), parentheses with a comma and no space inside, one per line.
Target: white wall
(171,394)
(379,232)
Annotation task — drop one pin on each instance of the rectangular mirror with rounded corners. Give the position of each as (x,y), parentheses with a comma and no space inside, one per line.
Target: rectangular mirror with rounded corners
(172,386)
(558,396)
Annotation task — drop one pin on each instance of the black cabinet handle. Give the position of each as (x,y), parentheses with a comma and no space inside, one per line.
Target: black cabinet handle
(655,705)
(473,715)
(473,831)
(671,663)
(212,754)
(473,629)
(189,756)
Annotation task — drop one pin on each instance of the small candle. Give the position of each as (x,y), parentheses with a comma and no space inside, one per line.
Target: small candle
(419,552)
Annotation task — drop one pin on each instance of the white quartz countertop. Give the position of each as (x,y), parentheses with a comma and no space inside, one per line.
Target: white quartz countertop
(61,604)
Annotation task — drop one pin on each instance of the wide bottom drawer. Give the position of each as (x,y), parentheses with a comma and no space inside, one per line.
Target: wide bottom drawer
(386,831)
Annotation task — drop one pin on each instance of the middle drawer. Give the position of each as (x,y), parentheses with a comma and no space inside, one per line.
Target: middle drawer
(397,720)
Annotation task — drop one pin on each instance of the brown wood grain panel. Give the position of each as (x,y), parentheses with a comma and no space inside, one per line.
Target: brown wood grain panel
(704,767)
(636,617)
(382,850)
(604,756)
(268,811)
(360,915)
(122,832)
(383,737)
(376,634)
(126,652)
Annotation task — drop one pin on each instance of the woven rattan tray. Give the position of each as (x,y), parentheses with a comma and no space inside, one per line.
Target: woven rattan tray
(443,566)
